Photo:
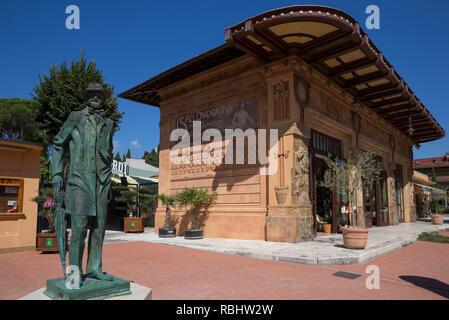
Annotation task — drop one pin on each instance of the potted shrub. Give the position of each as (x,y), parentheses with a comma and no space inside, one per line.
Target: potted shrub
(167,231)
(348,175)
(437,194)
(196,202)
(47,241)
(136,200)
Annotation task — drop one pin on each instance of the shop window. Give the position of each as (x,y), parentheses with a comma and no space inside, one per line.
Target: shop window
(326,144)
(11,194)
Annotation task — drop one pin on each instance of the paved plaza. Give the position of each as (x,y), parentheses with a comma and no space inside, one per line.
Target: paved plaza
(417,271)
(324,250)
(181,272)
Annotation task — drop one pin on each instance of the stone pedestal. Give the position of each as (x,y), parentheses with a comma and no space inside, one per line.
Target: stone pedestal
(289,224)
(137,292)
(91,289)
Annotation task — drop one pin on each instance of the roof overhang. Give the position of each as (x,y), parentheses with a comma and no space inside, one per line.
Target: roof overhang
(329,40)
(21,146)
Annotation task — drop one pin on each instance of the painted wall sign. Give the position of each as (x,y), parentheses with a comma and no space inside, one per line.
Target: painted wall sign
(238,114)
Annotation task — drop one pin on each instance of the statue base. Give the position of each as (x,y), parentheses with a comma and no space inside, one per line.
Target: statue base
(91,289)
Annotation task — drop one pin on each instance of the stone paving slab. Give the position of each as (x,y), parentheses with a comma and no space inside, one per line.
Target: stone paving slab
(323,250)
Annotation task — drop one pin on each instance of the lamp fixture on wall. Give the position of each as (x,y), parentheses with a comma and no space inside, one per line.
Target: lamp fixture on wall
(410,128)
(356,104)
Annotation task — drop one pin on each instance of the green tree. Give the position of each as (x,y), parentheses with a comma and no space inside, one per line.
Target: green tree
(117,157)
(45,172)
(152,158)
(60,93)
(46,207)
(434,175)
(128,154)
(196,202)
(348,175)
(437,193)
(135,200)
(18,121)
(167,202)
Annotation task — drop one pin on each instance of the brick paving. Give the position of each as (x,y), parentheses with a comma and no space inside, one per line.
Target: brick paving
(183,273)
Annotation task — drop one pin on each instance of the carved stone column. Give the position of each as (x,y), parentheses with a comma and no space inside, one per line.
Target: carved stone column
(292,220)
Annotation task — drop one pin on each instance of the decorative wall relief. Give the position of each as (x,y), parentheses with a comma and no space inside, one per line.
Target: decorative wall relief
(300,176)
(302,92)
(356,126)
(281,194)
(281,105)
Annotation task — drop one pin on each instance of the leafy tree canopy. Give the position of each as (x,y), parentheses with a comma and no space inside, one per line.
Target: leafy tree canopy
(117,157)
(18,120)
(60,93)
(152,158)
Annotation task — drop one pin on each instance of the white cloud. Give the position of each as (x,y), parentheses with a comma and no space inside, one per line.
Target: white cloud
(115,144)
(136,144)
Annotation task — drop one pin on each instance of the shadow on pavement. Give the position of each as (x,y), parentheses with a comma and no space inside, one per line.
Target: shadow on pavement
(430,284)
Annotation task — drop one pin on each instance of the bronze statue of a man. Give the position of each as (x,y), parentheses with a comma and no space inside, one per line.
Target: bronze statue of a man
(87,137)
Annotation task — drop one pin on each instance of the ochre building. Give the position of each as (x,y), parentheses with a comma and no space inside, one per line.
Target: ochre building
(19,183)
(313,74)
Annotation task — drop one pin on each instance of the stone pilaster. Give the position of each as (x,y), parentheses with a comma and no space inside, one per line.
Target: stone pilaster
(290,219)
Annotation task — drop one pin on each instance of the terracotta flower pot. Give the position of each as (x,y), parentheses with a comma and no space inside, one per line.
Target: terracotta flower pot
(327,227)
(355,238)
(437,218)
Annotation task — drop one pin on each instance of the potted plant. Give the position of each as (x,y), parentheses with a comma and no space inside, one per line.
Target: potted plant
(437,194)
(348,175)
(167,231)
(46,241)
(136,200)
(196,202)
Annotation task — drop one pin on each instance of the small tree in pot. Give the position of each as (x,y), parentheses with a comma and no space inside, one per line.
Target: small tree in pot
(349,175)
(196,201)
(167,231)
(135,200)
(46,241)
(437,194)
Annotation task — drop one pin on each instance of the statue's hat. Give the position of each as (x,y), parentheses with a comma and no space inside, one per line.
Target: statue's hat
(96,87)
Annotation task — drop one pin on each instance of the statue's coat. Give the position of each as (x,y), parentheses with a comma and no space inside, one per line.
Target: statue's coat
(89,177)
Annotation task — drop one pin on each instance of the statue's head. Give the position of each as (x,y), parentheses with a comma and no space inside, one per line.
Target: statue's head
(95,95)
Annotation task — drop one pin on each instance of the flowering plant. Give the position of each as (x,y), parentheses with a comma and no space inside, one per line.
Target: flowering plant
(46,206)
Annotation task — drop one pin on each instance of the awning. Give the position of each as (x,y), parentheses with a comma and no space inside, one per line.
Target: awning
(329,40)
(428,190)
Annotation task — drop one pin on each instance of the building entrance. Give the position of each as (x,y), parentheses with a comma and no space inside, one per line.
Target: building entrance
(326,202)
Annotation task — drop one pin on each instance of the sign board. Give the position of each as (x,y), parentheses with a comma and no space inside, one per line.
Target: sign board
(120,167)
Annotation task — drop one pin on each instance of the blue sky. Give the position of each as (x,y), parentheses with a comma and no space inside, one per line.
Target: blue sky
(134,40)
